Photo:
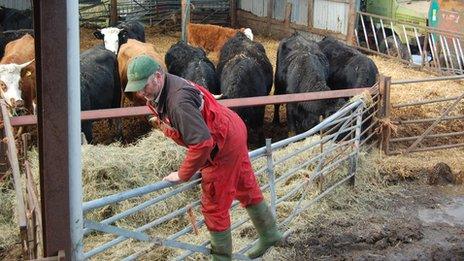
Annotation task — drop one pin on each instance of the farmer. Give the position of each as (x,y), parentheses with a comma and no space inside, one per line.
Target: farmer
(216,139)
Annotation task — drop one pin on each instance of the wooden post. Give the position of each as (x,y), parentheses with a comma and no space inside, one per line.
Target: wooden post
(270,10)
(113,12)
(185,19)
(350,37)
(288,14)
(233,13)
(310,14)
(424,51)
(12,154)
(385,84)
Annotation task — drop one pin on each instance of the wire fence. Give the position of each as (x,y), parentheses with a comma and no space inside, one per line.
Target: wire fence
(152,12)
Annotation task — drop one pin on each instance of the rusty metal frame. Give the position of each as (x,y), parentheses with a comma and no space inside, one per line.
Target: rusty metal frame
(427,134)
(232,103)
(12,153)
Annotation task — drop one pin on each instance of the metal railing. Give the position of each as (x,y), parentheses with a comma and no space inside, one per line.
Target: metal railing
(427,132)
(422,46)
(332,155)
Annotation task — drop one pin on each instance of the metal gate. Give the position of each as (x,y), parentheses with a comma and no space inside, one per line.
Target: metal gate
(426,47)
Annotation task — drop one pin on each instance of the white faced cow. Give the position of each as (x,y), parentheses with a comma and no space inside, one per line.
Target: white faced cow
(10,80)
(114,37)
(17,74)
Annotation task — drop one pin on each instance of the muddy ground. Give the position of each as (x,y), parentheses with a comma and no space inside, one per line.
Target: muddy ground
(411,220)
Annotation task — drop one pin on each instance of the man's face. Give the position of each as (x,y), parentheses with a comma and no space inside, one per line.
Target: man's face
(153,86)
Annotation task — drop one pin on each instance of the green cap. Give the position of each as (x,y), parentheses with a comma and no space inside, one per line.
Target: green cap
(139,69)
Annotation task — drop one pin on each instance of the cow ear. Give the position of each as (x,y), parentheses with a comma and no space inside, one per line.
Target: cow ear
(98,34)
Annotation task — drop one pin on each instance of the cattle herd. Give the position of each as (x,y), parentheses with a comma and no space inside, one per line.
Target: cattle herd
(243,69)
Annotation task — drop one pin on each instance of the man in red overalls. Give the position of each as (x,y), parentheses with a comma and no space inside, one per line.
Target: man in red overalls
(216,140)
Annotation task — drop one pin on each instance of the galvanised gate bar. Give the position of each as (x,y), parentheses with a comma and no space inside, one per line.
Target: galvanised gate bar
(334,152)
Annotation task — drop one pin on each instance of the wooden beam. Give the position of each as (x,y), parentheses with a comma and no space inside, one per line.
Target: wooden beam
(233,13)
(288,14)
(270,10)
(113,12)
(350,37)
(310,14)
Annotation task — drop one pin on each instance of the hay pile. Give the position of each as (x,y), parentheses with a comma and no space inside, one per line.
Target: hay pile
(115,168)
(8,223)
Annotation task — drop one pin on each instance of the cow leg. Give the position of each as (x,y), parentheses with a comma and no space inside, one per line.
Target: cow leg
(290,121)
(87,130)
(276,120)
(117,124)
(123,99)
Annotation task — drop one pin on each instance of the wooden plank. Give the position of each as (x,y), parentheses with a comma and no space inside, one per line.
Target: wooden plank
(350,37)
(288,14)
(279,28)
(14,164)
(270,8)
(113,12)
(233,13)
(310,14)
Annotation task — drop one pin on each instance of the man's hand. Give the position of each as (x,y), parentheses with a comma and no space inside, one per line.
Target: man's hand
(173,177)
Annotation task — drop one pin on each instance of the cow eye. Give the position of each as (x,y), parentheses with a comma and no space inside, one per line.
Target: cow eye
(3,86)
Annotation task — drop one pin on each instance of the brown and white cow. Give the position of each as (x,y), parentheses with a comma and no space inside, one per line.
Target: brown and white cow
(128,51)
(213,37)
(17,74)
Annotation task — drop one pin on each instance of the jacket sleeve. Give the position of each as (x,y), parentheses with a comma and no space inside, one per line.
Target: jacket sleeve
(196,157)
(188,120)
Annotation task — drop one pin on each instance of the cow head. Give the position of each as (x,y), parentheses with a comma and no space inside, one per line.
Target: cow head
(112,37)
(248,33)
(10,81)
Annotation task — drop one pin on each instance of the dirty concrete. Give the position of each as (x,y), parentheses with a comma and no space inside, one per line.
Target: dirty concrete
(420,222)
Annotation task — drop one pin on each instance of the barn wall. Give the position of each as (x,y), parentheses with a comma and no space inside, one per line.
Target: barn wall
(331,15)
(155,12)
(16,4)
(322,17)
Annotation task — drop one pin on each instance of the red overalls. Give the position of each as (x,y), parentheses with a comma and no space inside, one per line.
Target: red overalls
(229,175)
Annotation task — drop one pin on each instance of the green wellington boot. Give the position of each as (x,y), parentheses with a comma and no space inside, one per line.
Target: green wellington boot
(265,224)
(221,245)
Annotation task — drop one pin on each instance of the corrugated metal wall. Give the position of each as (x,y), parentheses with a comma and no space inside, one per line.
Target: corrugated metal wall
(16,4)
(331,15)
(259,8)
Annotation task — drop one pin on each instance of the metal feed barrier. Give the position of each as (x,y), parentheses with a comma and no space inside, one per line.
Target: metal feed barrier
(426,47)
(335,151)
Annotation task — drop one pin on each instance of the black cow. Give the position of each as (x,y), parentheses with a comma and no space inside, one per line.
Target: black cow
(8,36)
(12,19)
(192,64)
(100,85)
(245,71)
(295,42)
(114,37)
(348,67)
(303,68)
